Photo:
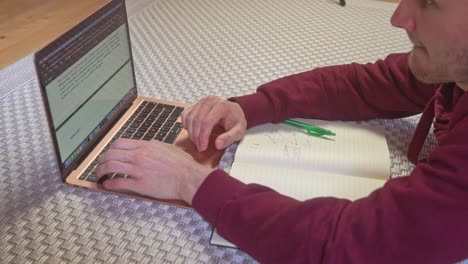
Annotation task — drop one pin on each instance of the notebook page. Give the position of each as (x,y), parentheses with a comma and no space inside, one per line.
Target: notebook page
(303,167)
(300,184)
(303,185)
(355,150)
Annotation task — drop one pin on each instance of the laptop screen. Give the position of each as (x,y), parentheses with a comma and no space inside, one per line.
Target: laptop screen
(87,79)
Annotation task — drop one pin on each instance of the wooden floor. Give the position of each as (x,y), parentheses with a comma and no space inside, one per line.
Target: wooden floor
(27,25)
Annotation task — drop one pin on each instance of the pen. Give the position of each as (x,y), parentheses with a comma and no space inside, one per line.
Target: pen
(310,129)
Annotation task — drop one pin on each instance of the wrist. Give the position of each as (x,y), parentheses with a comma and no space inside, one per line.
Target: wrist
(192,182)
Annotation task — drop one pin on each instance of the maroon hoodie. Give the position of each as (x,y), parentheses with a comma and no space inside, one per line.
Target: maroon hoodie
(418,218)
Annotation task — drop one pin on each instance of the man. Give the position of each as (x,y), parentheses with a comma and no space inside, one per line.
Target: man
(421,218)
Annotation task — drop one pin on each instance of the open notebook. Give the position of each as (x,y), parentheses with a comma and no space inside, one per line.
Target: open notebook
(349,165)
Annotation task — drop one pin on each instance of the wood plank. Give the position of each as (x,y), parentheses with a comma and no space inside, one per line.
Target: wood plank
(28,25)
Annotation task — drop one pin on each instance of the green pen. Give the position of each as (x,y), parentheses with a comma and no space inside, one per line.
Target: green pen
(310,129)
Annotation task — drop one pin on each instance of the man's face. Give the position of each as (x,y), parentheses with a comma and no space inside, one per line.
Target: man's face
(439,32)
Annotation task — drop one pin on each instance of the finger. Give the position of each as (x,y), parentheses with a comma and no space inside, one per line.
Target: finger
(115,167)
(204,121)
(217,113)
(229,137)
(121,184)
(116,155)
(190,120)
(196,117)
(188,116)
(127,144)
(184,116)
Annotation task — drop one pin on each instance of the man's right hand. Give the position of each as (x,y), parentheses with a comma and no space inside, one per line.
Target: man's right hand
(201,118)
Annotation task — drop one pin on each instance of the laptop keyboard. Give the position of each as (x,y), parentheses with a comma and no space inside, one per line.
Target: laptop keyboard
(150,121)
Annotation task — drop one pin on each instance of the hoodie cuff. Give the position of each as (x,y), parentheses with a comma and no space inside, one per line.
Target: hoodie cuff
(217,189)
(257,108)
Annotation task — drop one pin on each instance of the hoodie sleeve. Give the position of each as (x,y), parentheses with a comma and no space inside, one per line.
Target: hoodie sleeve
(384,89)
(420,218)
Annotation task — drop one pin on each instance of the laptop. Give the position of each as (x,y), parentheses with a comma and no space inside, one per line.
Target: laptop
(88,87)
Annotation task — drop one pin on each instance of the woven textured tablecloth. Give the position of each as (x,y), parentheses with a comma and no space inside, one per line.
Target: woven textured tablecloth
(183,50)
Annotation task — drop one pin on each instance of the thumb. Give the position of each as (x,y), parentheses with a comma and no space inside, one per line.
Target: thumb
(225,139)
